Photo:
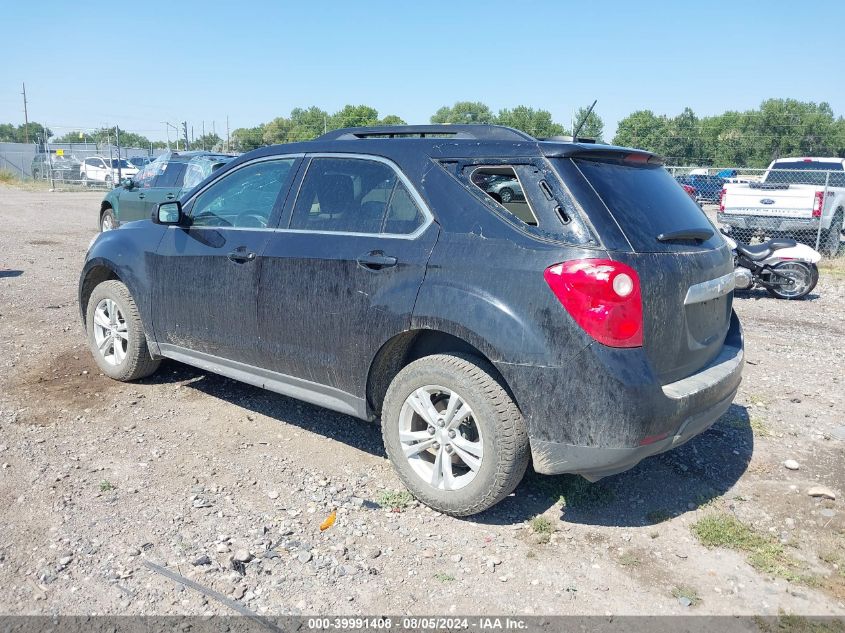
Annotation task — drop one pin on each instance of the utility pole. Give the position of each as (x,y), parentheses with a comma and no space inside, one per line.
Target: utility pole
(117,142)
(227,134)
(203,134)
(25,117)
(185,131)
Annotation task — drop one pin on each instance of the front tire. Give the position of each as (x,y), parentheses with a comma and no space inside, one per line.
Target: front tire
(506,194)
(455,437)
(803,280)
(108,221)
(116,334)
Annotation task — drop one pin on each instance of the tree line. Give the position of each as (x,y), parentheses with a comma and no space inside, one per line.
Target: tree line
(779,128)
(751,138)
(304,124)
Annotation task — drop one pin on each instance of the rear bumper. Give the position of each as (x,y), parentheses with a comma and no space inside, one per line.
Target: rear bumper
(768,223)
(606,411)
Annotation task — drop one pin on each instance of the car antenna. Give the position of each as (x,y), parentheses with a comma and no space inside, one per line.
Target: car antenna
(583,121)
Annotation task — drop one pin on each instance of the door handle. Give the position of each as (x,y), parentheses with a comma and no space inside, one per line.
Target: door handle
(376,260)
(170,196)
(241,256)
(142,195)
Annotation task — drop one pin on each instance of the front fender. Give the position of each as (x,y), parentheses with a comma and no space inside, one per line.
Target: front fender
(126,252)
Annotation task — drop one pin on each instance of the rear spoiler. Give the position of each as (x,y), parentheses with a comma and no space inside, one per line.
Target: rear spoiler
(600,152)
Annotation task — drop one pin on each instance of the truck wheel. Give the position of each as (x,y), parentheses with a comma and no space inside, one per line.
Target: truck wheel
(830,244)
(116,334)
(455,437)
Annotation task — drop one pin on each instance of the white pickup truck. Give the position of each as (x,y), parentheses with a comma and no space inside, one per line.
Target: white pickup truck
(795,197)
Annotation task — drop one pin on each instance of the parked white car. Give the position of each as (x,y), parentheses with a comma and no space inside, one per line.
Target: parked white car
(797,196)
(105,170)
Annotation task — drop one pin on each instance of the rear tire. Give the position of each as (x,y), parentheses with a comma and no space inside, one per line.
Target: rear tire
(830,244)
(475,448)
(116,335)
(802,275)
(506,194)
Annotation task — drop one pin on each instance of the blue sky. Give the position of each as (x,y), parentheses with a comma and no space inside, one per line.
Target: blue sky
(155,61)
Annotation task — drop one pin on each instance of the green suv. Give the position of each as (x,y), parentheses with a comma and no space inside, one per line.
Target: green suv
(166,178)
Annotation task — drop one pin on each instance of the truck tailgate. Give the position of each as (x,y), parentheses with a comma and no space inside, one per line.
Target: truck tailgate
(794,201)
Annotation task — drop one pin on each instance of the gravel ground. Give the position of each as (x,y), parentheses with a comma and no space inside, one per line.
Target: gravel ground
(227,485)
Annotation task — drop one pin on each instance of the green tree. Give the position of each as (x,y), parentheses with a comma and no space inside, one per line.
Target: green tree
(593,125)
(244,139)
(464,112)
(307,124)
(642,129)
(206,141)
(537,123)
(8,134)
(391,119)
(354,116)
(682,145)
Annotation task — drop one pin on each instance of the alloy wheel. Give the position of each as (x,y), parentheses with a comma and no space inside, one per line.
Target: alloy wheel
(440,437)
(111,333)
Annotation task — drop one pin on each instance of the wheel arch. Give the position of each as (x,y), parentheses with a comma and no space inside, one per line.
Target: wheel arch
(408,346)
(93,277)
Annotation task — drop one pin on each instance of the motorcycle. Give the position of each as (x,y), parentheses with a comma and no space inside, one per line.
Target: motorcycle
(785,268)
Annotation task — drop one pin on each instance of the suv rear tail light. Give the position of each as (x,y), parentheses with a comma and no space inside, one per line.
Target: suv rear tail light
(722,201)
(603,297)
(818,205)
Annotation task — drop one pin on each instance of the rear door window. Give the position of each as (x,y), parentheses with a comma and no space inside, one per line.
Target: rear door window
(353,195)
(646,202)
(170,175)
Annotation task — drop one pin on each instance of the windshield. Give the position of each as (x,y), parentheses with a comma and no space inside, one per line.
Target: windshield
(806,173)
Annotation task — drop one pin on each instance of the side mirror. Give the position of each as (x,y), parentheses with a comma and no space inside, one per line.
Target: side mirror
(128,183)
(169,213)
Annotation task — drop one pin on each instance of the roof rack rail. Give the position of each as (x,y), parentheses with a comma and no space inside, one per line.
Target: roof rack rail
(568,138)
(475,132)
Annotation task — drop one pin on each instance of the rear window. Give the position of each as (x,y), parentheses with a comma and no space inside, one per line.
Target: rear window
(806,173)
(646,202)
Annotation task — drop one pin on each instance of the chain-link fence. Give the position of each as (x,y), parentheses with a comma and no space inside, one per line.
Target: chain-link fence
(805,202)
(64,165)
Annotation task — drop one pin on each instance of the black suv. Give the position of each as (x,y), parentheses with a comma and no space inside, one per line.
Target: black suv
(583,328)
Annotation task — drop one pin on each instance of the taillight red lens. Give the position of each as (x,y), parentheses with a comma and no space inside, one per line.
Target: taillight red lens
(603,297)
(722,200)
(818,205)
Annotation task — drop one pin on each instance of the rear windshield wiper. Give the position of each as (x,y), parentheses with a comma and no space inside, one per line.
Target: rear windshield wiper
(699,235)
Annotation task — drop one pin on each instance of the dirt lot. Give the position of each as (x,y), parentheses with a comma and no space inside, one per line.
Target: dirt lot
(190,470)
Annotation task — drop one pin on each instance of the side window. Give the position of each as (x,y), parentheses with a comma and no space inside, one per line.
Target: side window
(195,173)
(245,197)
(403,214)
(353,195)
(502,184)
(170,175)
(144,178)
